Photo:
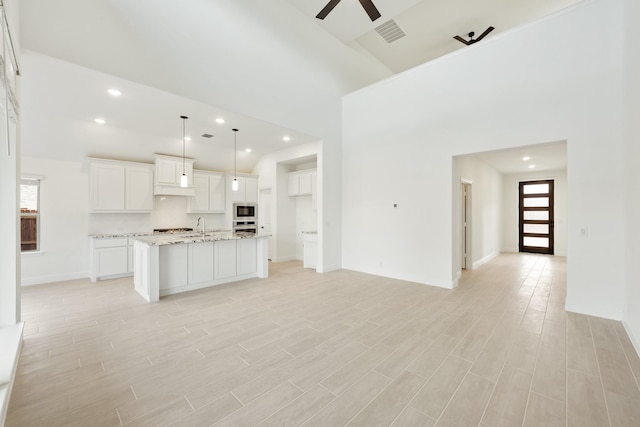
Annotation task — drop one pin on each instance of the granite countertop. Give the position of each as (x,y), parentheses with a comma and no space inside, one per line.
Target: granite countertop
(113,235)
(176,239)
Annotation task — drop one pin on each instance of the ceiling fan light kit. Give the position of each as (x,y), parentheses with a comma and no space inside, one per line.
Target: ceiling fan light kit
(368,6)
(471,39)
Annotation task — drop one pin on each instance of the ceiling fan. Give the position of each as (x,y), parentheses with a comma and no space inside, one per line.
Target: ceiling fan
(368,6)
(471,39)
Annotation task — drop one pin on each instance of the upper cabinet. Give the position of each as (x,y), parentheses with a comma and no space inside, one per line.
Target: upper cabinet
(247,189)
(302,183)
(169,169)
(209,193)
(118,186)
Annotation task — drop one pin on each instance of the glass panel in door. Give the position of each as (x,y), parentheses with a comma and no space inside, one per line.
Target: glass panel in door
(536,217)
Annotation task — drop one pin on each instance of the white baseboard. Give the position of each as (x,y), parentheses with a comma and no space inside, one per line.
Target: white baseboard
(328,268)
(284,259)
(485,259)
(38,280)
(447,284)
(635,341)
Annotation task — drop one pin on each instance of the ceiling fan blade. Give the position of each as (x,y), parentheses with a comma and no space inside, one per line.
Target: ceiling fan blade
(487,31)
(371,9)
(460,39)
(327,9)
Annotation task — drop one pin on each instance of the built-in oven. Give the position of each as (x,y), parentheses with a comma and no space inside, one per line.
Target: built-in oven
(245,212)
(245,227)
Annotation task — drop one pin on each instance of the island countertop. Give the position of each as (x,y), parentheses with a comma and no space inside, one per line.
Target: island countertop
(176,239)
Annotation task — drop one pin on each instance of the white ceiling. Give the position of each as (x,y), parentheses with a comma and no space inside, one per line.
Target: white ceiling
(268,68)
(429,24)
(61,101)
(545,157)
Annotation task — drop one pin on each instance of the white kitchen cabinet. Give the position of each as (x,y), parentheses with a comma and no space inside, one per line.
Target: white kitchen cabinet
(118,187)
(139,188)
(225,257)
(246,256)
(173,266)
(247,189)
(107,187)
(169,170)
(310,258)
(201,262)
(209,193)
(109,258)
(301,183)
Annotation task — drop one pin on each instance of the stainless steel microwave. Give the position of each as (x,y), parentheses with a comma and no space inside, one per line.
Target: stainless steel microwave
(244,211)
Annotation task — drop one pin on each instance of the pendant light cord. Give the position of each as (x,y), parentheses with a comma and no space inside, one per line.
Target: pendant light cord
(183,145)
(235,154)
(184,121)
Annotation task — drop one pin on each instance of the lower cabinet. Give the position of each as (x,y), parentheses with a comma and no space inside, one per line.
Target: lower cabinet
(194,265)
(247,260)
(173,265)
(225,259)
(310,243)
(201,262)
(109,258)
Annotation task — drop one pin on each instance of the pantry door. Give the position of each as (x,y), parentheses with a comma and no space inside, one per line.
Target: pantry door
(536,216)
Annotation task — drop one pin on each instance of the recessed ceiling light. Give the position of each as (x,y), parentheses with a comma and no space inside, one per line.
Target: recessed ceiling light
(114,92)
(248,150)
(220,120)
(100,121)
(187,138)
(532,166)
(525,158)
(286,139)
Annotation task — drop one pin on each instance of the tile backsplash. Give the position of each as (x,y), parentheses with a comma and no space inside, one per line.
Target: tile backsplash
(169,212)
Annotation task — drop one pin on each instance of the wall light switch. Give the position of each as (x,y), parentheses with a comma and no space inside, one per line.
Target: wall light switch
(584,232)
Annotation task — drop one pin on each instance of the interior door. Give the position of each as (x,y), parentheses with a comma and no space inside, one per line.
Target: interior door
(536,217)
(465,226)
(264,217)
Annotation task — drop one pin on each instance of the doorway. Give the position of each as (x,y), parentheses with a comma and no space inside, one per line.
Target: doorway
(536,217)
(264,218)
(465,225)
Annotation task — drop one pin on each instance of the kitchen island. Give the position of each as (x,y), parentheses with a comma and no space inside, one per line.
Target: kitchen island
(169,264)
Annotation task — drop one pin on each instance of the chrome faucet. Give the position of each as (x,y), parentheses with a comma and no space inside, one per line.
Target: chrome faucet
(198,224)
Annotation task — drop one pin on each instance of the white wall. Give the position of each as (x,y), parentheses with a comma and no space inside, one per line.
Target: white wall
(552,80)
(66,221)
(272,169)
(9,190)
(510,212)
(631,317)
(486,209)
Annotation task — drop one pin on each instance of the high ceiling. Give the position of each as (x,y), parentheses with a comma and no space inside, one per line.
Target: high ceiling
(269,68)
(429,24)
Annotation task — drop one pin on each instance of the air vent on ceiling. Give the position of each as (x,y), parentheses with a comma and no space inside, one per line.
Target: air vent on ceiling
(207,135)
(390,31)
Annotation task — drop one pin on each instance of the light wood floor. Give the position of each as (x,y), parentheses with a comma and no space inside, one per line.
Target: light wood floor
(333,349)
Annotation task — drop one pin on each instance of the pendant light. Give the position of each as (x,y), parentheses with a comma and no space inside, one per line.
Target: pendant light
(234,186)
(184,182)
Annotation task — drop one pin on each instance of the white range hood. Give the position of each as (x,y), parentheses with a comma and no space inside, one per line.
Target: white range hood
(168,171)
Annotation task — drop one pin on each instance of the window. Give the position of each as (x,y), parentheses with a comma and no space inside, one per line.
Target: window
(29,214)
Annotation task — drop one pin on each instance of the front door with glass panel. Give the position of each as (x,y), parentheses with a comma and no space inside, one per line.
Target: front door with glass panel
(536,217)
